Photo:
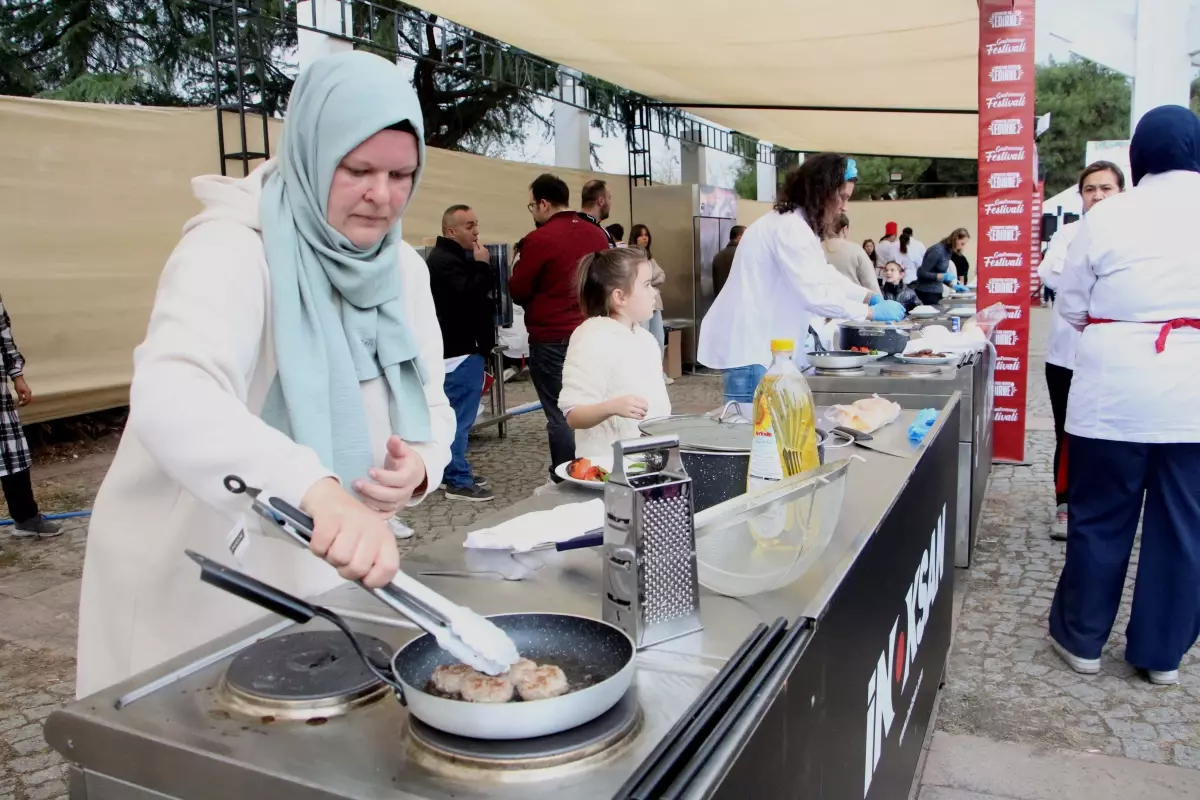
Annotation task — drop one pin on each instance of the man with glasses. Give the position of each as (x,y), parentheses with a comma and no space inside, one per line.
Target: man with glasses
(545,284)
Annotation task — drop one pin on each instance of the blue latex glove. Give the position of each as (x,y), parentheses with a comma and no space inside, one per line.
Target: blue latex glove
(949,277)
(887,311)
(922,424)
(876,299)
(959,288)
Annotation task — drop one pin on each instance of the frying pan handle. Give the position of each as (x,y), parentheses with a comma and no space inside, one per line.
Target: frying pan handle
(257,592)
(816,340)
(280,602)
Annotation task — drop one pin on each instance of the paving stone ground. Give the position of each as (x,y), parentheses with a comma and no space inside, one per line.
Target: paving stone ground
(1004,682)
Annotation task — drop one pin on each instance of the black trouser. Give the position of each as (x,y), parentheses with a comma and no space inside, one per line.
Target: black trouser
(1058,381)
(18,491)
(929,298)
(545,369)
(1113,484)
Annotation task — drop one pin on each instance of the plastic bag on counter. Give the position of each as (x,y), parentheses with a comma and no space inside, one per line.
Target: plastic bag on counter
(921,425)
(866,415)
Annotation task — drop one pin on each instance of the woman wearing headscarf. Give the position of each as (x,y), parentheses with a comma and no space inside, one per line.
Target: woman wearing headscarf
(294,343)
(1134,434)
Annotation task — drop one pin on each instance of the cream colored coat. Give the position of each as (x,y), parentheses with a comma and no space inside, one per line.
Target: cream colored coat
(199,382)
(605,360)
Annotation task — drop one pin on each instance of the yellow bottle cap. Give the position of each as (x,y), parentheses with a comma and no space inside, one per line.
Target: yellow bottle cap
(782,345)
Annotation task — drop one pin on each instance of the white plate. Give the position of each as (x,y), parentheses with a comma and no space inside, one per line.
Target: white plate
(946,359)
(596,486)
(917,313)
(963,312)
(605,463)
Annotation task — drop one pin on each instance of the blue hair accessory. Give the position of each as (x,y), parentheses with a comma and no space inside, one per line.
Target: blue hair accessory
(851,170)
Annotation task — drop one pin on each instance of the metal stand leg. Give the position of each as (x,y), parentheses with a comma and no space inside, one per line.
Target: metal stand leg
(498,401)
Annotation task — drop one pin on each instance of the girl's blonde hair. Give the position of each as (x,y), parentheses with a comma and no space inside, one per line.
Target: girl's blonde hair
(603,272)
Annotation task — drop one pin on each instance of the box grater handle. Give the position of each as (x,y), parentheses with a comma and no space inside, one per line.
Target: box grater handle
(647,444)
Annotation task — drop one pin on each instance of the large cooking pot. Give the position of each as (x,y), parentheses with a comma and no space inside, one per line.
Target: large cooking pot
(715,451)
(888,337)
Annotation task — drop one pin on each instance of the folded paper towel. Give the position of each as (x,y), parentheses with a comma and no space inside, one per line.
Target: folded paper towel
(540,527)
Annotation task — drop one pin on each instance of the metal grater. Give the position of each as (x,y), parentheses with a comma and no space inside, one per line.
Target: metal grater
(650,586)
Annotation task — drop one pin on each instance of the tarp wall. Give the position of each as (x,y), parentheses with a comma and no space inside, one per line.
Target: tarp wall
(92,199)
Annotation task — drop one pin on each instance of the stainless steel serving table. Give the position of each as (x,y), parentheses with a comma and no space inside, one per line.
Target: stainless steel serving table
(169,738)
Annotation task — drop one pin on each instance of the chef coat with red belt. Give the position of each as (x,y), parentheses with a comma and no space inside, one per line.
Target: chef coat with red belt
(1137,366)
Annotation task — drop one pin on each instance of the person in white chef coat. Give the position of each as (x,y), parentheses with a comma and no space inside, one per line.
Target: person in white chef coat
(1099,180)
(1132,423)
(294,343)
(780,278)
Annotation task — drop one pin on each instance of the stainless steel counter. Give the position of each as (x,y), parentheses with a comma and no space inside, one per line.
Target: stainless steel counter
(973,380)
(175,741)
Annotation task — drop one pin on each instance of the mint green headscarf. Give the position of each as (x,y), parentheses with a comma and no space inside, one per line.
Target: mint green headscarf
(338,309)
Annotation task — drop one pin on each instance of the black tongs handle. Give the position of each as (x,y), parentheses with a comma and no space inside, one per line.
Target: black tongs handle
(300,522)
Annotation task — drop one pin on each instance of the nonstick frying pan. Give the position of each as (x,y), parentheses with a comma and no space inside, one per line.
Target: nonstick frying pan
(597,658)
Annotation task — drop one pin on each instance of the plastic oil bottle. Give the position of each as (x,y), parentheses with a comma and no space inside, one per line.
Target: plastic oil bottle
(785,437)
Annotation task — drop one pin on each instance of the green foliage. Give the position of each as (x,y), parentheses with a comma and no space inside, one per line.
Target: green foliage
(159,52)
(1086,102)
(745,181)
(919,178)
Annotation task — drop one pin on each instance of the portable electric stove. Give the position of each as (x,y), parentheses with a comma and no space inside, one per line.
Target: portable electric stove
(298,715)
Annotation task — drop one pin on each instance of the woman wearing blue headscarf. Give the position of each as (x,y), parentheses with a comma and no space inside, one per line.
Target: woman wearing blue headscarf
(294,343)
(1132,421)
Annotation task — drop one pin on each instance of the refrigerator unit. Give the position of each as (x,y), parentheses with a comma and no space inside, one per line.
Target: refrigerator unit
(689,225)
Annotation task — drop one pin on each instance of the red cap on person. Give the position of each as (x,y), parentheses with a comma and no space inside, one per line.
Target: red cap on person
(890,229)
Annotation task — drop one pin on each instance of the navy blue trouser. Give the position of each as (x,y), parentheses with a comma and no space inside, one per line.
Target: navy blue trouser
(1108,483)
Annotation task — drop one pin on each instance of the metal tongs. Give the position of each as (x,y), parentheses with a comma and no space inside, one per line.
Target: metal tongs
(465,634)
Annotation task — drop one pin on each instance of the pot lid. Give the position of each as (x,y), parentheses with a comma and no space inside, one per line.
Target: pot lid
(870,323)
(703,432)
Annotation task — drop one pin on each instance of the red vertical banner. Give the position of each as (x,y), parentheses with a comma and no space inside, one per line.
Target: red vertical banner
(1007,181)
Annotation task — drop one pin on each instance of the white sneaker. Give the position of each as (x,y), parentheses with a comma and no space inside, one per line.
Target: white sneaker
(1163,678)
(1084,666)
(668,380)
(1058,530)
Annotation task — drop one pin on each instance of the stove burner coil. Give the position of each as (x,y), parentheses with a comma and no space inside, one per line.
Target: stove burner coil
(303,676)
(458,754)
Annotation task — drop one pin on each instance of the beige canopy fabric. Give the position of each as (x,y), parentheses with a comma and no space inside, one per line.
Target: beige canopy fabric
(920,55)
(93,200)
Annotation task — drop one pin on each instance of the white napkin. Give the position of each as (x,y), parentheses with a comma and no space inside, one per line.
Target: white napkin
(938,338)
(540,527)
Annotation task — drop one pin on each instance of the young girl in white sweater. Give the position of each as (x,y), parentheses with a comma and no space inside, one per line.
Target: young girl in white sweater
(613,377)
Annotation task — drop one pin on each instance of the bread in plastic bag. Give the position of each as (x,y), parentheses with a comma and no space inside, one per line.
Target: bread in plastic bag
(866,415)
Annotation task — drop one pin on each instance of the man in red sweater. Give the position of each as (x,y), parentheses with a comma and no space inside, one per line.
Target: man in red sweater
(545,283)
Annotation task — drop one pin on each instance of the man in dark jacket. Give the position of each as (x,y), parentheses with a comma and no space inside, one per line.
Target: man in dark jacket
(462,281)
(937,268)
(723,261)
(545,283)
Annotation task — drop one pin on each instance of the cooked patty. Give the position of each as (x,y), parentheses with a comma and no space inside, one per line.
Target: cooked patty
(448,679)
(541,683)
(486,689)
(519,669)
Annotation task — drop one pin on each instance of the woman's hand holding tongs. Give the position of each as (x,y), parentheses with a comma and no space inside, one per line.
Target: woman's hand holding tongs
(352,537)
